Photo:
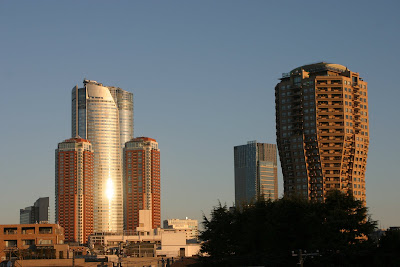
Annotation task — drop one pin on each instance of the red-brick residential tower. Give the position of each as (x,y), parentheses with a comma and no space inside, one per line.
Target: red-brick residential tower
(74,189)
(141,181)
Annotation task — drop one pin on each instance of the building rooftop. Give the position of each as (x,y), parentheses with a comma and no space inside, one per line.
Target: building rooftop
(143,139)
(317,67)
(76,139)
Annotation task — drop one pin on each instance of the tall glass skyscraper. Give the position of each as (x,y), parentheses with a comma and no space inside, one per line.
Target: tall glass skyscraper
(104,116)
(256,172)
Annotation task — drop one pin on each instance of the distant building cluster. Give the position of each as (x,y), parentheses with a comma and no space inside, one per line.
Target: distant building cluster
(107,183)
(37,213)
(104,176)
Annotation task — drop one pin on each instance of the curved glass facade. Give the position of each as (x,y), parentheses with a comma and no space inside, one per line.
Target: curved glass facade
(99,116)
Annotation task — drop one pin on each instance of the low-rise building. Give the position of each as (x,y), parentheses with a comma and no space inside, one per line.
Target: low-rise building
(187,226)
(17,237)
(145,241)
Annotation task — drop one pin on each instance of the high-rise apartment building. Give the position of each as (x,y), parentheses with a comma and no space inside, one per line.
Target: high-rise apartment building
(322,130)
(255,172)
(37,213)
(74,188)
(141,181)
(104,116)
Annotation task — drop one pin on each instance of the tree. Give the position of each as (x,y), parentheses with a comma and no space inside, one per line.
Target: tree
(219,234)
(389,247)
(265,232)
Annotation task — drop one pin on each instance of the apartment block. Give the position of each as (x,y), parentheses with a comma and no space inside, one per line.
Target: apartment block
(14,237)
(141,181)
(322,130)
(74,188)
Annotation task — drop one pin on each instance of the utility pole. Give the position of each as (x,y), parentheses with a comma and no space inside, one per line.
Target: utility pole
(303,255)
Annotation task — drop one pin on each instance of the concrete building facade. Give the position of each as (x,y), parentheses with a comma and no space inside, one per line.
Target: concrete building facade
(188,226)
(104,116)
(146,242)
(256,172)
(141,181)
(322,130)
(74,188)
(14,237)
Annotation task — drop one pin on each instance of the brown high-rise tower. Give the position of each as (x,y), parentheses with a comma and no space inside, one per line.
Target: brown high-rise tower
(141,181)
(74,189)
(322,130)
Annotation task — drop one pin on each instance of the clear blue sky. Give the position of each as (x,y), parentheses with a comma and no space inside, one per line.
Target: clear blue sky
(203,75)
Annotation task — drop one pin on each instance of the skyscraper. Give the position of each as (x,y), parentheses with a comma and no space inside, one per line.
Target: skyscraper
(74,188)
(322,130)
(37,213)
(104,116)
(255,172)
(141,181)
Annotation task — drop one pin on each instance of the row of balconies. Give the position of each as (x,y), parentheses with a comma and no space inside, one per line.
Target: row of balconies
(331,132)
(332,96)
(327,111)
(328,118)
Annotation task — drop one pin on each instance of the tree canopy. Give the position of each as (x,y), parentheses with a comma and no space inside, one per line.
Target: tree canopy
(266,232)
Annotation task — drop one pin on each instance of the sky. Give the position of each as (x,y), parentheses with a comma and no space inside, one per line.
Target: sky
(203,75)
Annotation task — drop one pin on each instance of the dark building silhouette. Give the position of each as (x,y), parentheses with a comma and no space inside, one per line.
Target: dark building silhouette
(37,213)
(255,172)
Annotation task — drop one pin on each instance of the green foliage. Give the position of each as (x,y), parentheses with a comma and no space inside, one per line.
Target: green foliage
(220,234)
(266,232)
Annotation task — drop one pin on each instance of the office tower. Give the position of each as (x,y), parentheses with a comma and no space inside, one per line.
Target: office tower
(37,213)
(255,172)
(141,181)
(322,130)
(104,116)
(27,215)
(74,188)
(42,209)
